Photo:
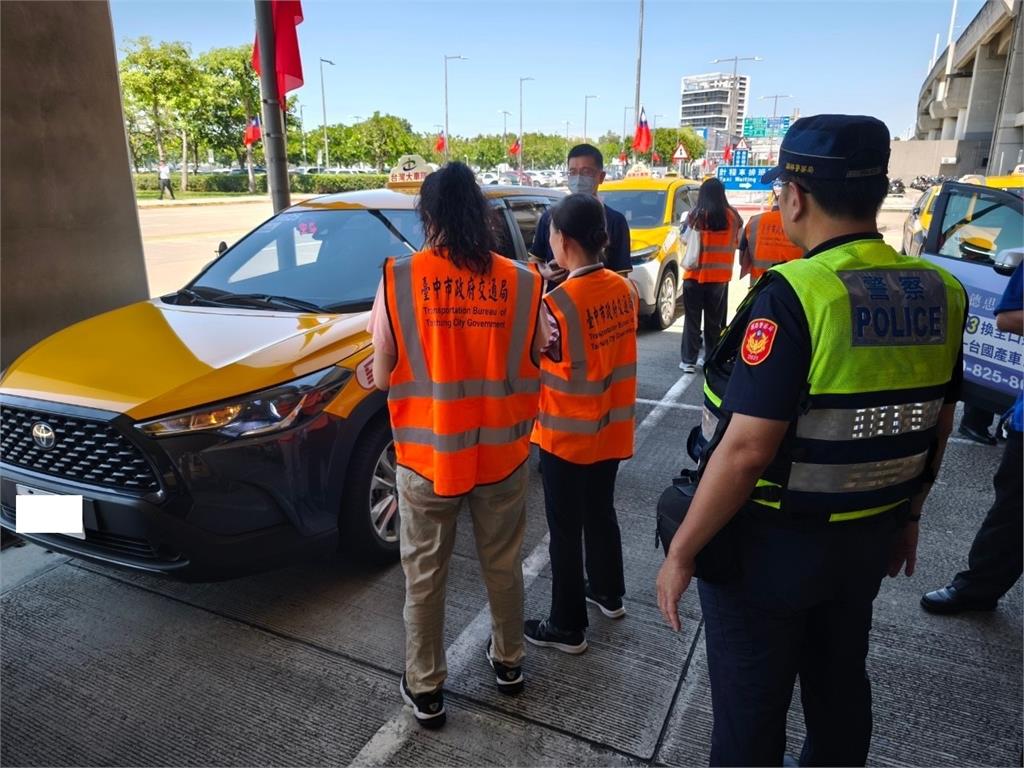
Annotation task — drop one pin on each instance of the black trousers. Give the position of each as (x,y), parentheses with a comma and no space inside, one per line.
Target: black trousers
(710,300)
(976,418)
(166,184)
(996,561)
(801,607)
(580,504)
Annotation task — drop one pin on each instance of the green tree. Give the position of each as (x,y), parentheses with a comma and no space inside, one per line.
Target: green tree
(231,99)
(382,139)
(153,78)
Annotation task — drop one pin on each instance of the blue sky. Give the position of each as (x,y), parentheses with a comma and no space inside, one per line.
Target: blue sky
(831,55)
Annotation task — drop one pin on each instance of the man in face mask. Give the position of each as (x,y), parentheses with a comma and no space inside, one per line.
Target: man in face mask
(586,172)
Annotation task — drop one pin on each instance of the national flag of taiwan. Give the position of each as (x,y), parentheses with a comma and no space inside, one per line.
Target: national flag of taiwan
(253,132)
(441,143)
(655,158)
(623,158)
(287,62)
(727,154)
(642,139)
(515,148)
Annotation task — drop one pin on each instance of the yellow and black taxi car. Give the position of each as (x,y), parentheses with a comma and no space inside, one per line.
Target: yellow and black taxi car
(654,209)
(232,426)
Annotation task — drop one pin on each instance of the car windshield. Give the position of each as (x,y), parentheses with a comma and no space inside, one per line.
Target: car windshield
(642,208)
(331,259)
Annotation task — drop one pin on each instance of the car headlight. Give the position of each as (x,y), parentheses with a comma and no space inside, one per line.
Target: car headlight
(270,410)
(644,254)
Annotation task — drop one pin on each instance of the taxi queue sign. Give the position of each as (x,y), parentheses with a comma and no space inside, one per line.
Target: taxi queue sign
(746,177)
(741,157)
(409,172)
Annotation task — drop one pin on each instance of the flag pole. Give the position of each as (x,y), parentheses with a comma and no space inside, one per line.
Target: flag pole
(639,59)
(273,123)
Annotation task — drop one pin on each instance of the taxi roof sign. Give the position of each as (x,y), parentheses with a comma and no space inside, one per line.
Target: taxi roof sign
(638,170)
(409,172)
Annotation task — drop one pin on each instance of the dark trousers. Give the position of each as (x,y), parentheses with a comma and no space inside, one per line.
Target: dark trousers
(976,418)
(710,300)
(580,504)
(166,184)
(801,607)
(996,562)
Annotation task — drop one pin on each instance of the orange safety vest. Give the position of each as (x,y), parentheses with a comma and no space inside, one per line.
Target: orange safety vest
(587,398)
(463,394)
(717,254)
(767,243)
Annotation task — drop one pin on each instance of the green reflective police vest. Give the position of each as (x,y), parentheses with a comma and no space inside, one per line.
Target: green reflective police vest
(885,334)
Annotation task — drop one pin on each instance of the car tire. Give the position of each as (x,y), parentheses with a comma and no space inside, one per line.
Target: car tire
(369,522)
(665,302)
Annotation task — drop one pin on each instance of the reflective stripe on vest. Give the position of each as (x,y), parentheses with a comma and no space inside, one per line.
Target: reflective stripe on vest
(463,394)
(588,397)
(767,243)
(717,254)
(875,382)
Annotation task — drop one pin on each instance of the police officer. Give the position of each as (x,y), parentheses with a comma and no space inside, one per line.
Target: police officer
(834,423)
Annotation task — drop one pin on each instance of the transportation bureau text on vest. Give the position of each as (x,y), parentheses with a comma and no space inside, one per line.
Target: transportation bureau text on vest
(610,321)
(487,307)
(896,307)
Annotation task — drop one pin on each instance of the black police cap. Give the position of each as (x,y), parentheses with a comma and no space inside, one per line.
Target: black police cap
(833,147)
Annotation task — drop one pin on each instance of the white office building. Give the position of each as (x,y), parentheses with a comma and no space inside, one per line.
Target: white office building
(705,99)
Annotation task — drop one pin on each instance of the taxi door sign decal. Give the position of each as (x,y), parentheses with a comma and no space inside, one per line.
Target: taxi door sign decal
(364,373)
(758,340)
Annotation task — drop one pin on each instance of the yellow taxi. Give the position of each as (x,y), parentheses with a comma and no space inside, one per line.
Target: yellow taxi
(654,209)
(233,425)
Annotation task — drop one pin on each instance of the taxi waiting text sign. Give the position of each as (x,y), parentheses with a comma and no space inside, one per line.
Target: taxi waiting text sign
(742,177)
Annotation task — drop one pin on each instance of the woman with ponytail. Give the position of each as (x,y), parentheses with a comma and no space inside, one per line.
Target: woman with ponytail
(585,426)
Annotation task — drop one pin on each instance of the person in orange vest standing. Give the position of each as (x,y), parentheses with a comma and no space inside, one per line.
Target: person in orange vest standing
(764,244)
(585,426)
(706,287)
(453,329)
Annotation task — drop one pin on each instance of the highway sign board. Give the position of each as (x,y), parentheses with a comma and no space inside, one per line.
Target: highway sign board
(746,177)
(765,127)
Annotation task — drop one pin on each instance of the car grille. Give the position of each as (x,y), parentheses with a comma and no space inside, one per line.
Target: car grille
(103,542)
(92,452)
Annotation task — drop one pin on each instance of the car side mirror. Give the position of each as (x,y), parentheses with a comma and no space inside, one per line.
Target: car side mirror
(1007,260)
(915,211)
(221,248)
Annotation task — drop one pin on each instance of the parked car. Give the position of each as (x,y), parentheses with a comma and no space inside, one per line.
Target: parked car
(233,425)
(654,209)
(977,233)
(915,226)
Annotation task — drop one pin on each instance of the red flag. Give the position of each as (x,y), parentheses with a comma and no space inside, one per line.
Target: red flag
(622,158)
(656,158)
(253,132)
(727,154)
(287,61)
(642,139)
(515,148)
(440,144)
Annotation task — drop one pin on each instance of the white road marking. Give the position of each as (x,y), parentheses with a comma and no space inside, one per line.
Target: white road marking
(468,647)
(667,404)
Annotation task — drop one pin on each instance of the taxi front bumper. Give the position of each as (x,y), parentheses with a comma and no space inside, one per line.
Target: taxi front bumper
(646,276)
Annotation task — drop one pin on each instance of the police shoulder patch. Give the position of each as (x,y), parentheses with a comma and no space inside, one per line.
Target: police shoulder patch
(758,340)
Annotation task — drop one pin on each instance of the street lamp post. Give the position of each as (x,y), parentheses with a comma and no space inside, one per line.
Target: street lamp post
(446,60)
(522,143)
(775,108)
(625,111)
(567,138)
(586,104)
(654,138)
(323,103)
(302,129)
(734,89)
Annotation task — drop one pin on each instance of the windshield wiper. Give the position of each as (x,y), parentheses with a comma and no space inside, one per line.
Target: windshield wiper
(392,229)
(268,300)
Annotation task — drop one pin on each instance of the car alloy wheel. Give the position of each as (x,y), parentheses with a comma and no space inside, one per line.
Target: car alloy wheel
(384,496)
(667,300)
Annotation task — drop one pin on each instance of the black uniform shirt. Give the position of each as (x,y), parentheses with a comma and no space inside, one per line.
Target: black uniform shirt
(771,388)
(616,253)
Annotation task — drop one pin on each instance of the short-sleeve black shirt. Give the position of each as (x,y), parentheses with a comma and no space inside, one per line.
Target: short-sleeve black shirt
(617,252)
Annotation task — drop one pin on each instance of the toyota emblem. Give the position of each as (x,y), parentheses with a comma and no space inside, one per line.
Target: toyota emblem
(43,435)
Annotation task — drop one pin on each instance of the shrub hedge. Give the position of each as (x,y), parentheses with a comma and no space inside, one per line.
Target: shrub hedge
(299,182)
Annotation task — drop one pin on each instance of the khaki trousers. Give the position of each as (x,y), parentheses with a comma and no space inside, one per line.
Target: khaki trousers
(428,536)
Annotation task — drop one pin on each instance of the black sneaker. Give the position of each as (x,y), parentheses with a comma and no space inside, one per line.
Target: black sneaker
(428,708)
(541,633)
(611,607)
(509,679)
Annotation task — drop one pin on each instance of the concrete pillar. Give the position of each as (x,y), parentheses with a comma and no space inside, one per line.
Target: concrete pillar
(948,128)
(1007,149)
(983,100)
(69,227)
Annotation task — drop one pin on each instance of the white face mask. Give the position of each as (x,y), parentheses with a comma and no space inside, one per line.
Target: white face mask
(583,185)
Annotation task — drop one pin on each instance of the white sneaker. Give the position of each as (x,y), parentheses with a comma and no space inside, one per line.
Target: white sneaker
(700,362)
(687,367)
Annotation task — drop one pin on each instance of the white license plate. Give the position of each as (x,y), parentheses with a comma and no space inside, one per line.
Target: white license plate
(42,511)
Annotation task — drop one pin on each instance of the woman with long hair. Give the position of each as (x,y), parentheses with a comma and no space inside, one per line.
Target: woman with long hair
(585,426)
(453,329)
(706,287)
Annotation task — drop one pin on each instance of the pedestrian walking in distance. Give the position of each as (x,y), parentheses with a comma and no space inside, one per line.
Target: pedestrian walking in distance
(454,330)
(164,172)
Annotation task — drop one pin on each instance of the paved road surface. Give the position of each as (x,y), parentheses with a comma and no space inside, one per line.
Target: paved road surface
(301,666)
